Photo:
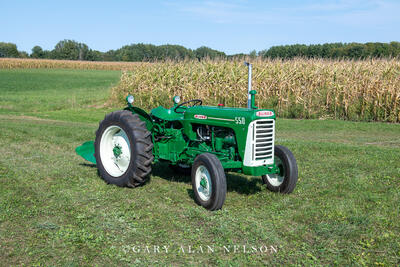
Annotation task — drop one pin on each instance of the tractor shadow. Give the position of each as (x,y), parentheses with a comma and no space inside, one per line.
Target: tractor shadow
(244,185)
(89,165)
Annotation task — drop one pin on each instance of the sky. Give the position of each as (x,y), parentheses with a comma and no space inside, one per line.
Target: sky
(237,26)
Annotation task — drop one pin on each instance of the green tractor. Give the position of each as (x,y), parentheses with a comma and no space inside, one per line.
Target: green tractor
(203,141)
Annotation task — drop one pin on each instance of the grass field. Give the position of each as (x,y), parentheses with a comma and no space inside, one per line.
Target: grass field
(55,210)
(57,93)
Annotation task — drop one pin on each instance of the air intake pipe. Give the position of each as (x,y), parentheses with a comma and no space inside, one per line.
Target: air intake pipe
(250,93)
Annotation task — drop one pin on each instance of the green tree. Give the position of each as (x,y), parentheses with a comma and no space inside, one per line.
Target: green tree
(149,52)
(94,55)
(23,54)
(206,52)
(334,50)
(253,54)
(8,50)
(70,49)
(37,52)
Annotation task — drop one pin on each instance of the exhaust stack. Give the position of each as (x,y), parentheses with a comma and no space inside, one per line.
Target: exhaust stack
(248,84)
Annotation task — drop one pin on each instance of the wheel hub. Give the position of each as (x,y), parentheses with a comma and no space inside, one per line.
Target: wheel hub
(203,182)
(117,150)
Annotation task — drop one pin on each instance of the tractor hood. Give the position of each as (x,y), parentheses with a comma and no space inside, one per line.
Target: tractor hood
(228,114)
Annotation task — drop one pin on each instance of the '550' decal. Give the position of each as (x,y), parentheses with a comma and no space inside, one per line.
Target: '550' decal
(237,120)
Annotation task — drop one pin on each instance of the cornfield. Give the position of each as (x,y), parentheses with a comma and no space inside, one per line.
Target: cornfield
(23,63)
(367,90)
(301,88)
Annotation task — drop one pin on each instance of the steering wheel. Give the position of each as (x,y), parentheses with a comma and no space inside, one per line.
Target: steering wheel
(196,102)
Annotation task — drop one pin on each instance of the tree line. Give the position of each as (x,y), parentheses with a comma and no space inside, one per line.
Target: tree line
(72,50)
(334,50)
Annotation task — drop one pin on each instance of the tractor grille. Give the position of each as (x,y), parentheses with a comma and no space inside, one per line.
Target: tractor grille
(263,133)
(260,143)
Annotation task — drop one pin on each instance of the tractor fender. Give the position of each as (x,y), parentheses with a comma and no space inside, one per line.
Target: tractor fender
(143,115)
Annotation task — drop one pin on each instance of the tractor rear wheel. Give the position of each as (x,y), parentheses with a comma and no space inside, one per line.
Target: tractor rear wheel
(123,149)
(208,181)
(284,181)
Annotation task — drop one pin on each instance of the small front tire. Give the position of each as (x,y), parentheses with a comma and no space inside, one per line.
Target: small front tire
(208,181)
(284,181)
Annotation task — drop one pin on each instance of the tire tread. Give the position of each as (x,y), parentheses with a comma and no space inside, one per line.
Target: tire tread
(214,166)
(143,146)
(290,181)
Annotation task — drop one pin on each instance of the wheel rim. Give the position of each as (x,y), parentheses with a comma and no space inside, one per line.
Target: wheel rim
(276,179)
(203,183)
(115,151)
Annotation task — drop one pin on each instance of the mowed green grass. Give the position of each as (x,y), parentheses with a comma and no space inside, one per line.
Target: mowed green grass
(55,210)
(55,93)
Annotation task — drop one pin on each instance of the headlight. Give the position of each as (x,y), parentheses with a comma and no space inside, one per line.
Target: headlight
(177,99)
(130,99)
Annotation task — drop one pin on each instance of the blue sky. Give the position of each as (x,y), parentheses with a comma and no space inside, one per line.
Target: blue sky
(230,26)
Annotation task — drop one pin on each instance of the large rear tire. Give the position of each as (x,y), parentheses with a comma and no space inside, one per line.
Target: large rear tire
(284,181)
(208,181)
(123,149)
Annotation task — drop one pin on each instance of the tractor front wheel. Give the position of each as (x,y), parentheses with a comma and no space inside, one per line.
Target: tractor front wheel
(285,180)
(208,181)
(123,149)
